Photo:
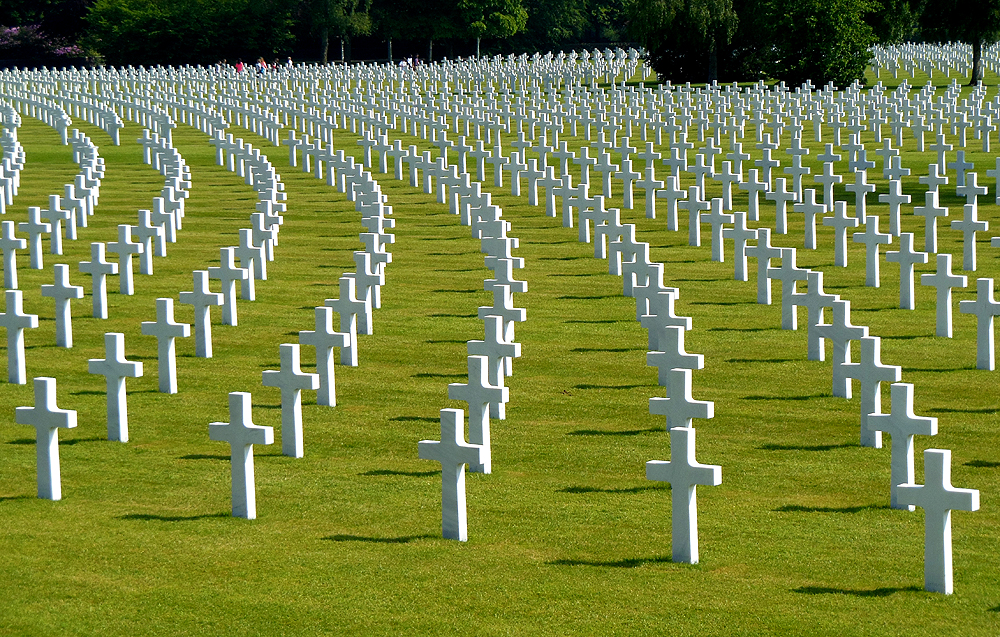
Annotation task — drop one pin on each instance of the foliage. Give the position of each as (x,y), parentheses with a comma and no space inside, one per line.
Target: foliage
(820,40)
(59,18)
(188,31)
(683,36)
(970,21)
(29,42)
(894,21)
(337,18)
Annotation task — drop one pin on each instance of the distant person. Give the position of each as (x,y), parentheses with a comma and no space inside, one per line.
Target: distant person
(289,64)
(239,65)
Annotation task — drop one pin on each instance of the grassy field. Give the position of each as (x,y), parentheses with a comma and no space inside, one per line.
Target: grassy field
(566,536)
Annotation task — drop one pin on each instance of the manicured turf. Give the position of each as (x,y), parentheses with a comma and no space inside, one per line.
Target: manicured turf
(566,536)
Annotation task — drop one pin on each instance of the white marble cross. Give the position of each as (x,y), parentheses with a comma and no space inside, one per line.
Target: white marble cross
(840,223)
(115,369)
(740,234)
(943,281)
(355,318)
(930,211)
(815,300)
(453,453)
(165,329)
(47,419)
(906,257)
(684,473)
(291,380)
(55,215)
(125,248)
(902,425)
(98,269)
(202,299)
(872,239)
(969,225)
(788,274)
(938,498)
(324,339)
(669,352)
(499,354)
(763,252)
(479,393)
(242,435)
(252,259)
(61,292)
(781,197)
(10,244)
(841,332)
(16,321)
(985,307)
(810,209)
(894,198)
(870,374)
(34,227)
(679,407)
(153,240)
(228,274)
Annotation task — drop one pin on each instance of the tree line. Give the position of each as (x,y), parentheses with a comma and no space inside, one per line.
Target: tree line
(686,40)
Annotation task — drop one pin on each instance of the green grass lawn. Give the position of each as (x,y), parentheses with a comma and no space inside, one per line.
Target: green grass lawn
(566,536)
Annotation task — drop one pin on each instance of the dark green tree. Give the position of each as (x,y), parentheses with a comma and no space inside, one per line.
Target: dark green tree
(820,40)
(341,19)
(492,18)
(972,21)
(683,37)
(187,31)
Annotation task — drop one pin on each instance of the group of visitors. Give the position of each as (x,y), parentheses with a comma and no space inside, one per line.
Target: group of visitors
(261,65)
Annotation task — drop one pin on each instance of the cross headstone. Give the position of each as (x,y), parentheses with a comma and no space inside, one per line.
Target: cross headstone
(98,269)
(202,299)
(125,248)
(291,380)
(453,453)
(985,307)
(872,239)
(10,244)
(841,332)
(938,499)
(324,339)
(684,474)
(479,393)
(788,274)
(669,352)
(902,425)
(228,274)
(61,292)
(870,374)
(679,407)
(165,329)
(242,435)
(34,227)
(115,369)
(740,234)
(810,209)
(906,257)
(763,252)
(840,223)
(930,211)
(47,419)
(815,300)
(943,281)
(16,321)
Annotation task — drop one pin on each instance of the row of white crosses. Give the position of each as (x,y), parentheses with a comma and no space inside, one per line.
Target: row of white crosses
(949,58)
(936,576)
(489,360)
(786,289)
(588,133)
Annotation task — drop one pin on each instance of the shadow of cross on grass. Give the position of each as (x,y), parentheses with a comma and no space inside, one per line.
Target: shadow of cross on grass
(631,562)
(403,539)
(150,517)
(873,592)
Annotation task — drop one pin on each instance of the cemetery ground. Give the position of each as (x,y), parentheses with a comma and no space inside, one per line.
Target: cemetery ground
(566,536)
